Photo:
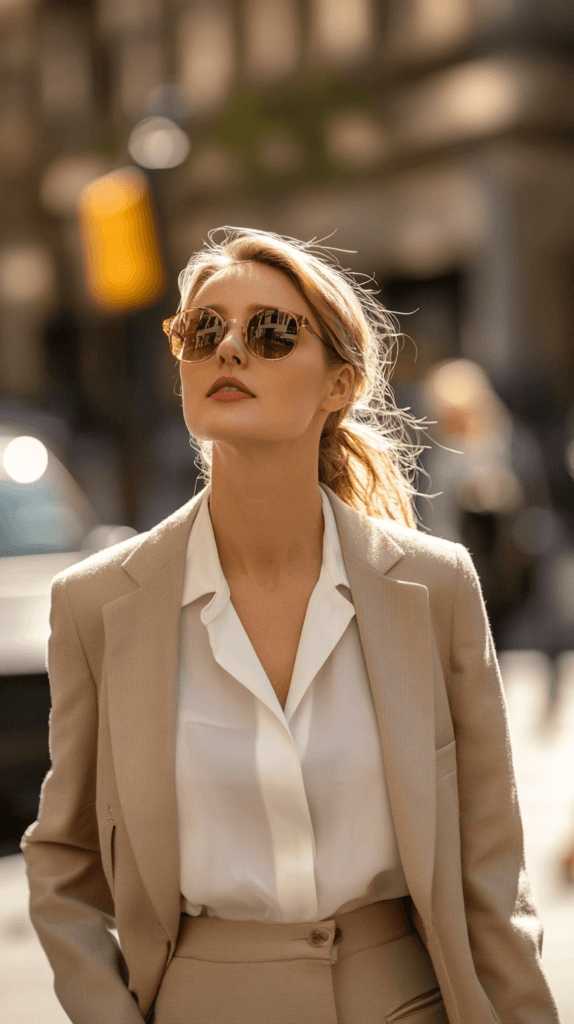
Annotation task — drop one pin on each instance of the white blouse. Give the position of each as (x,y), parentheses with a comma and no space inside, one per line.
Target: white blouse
(283,815)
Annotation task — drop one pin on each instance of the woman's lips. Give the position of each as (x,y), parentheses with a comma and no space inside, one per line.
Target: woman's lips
(229,396)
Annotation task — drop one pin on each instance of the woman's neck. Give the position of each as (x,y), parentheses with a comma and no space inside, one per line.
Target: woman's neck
(268,527)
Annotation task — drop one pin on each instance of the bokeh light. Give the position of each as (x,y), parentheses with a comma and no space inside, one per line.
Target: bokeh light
(157,142)
(25,459)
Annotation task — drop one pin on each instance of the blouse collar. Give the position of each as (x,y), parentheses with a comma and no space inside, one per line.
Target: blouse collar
(203,572)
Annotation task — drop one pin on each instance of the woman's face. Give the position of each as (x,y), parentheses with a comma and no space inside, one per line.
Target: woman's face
(292,396)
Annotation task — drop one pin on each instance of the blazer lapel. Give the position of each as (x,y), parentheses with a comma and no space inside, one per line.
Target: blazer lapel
(141,670)
(394,625)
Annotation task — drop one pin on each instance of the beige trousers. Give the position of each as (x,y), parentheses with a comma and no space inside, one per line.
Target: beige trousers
(368,966)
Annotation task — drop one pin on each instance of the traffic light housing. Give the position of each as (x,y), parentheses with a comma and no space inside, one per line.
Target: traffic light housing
(123,264)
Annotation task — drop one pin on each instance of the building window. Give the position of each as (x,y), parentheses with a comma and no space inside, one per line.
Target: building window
(65,67)
(17,135)
(118,15)
(342,30)
(271,37)
(422,28)
(141,69)
(354,139)
(206,54)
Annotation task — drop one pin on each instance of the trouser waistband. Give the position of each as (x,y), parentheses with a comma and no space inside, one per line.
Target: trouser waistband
(212,938)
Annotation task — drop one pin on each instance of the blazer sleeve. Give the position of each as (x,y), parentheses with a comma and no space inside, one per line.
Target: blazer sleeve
(71,907)
(505,931)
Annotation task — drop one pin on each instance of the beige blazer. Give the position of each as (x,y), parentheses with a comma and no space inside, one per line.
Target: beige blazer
(104,851)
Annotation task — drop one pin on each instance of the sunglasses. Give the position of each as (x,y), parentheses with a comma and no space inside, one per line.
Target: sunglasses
(272,333)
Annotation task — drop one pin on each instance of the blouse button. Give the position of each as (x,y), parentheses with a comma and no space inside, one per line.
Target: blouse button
(319,937)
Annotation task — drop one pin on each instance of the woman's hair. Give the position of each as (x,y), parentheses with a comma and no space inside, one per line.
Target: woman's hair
(366,455)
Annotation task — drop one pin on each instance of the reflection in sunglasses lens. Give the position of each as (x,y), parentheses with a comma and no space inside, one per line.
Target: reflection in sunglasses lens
(271,334)
(202,332)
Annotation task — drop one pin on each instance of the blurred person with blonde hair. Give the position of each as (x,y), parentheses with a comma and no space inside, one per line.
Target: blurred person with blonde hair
(280,756)
(488,469)
(460,396)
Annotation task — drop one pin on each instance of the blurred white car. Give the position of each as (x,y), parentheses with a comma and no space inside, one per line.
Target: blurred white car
(46,524)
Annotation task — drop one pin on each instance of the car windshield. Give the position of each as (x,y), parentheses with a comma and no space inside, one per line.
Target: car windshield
(42,509)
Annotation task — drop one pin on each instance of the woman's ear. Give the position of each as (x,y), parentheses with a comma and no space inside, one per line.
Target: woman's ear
(344,382)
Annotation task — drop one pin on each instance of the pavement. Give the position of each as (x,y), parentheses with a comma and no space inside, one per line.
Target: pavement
(543,747)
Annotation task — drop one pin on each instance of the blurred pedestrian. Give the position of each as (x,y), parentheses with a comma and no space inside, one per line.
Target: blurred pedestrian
(489,470)
(280,758)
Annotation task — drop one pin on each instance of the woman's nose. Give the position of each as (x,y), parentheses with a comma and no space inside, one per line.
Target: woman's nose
(232,340)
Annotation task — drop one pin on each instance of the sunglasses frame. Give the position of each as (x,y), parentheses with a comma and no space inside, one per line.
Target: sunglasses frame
(301,321)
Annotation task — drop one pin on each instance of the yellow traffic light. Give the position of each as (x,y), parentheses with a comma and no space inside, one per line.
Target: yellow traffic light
(122,259)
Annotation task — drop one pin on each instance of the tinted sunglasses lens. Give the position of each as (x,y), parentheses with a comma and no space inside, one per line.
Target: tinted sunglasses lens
(272,333)
(195,334)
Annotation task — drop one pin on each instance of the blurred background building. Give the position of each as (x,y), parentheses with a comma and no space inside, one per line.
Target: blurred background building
(435,136)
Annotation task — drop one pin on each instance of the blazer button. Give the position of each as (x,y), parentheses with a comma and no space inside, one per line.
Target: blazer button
(319,937)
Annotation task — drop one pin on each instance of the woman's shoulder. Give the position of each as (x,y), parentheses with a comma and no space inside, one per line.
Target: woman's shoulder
(105,569)
(439,564)
(444,567)
(424,546)
(100,565)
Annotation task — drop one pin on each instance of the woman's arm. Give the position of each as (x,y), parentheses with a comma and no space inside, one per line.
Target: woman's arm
(70,902)
(504,929)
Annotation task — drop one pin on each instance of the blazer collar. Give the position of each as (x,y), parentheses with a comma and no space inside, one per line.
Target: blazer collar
(360,536)
(164,543)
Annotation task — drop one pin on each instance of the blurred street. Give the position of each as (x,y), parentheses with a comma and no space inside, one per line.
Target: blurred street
(544,761)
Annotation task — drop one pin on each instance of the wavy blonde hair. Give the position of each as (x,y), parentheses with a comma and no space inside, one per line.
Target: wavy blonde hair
(366,455)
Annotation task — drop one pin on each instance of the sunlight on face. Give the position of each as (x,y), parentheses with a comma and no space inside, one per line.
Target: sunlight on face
(293,396)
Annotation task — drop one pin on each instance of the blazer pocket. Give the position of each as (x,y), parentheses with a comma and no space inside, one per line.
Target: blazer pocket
(426,1009)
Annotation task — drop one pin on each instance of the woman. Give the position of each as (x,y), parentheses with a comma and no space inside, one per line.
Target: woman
(281,763)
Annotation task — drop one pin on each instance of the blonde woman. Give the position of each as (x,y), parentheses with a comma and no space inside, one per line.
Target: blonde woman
(280,757)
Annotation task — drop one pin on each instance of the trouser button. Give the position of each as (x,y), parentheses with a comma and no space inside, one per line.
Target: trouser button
(319,937)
